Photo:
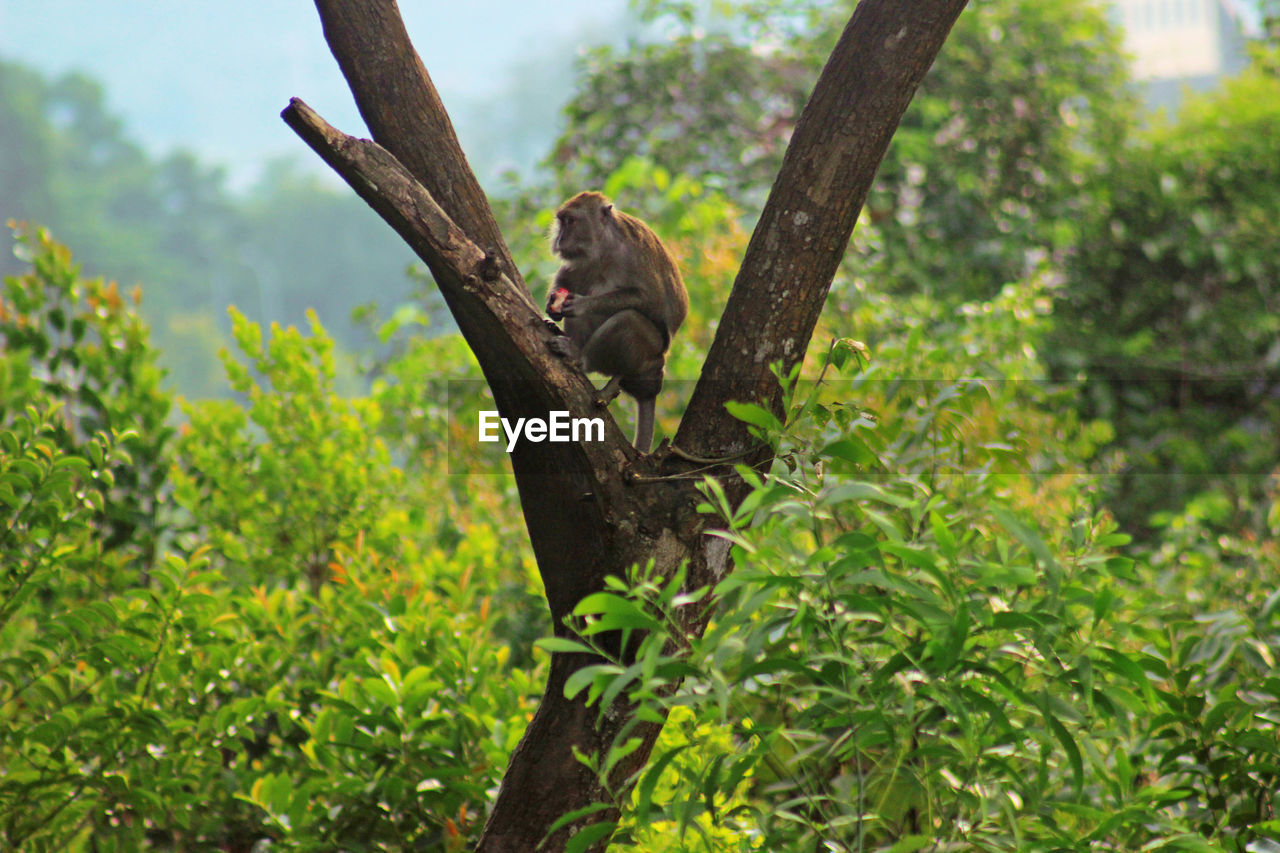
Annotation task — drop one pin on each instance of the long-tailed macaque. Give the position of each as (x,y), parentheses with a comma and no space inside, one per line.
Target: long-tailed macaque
(621,297)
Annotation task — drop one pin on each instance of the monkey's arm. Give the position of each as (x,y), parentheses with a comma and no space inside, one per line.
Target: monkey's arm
(609,302)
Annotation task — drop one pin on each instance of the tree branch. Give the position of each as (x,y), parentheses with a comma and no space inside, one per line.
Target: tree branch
(839,141)
(512,344)
(384,183)
(403,111)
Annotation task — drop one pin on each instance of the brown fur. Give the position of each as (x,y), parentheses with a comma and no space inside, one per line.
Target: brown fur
(627,298)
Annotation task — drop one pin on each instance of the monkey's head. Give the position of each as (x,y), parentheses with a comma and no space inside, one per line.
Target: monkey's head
(583,227)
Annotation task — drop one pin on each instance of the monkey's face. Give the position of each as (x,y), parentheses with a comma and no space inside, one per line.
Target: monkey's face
(580,228)
(573,237)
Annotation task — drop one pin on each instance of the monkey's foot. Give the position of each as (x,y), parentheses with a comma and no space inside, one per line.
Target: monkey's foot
(561,345)
(609,392)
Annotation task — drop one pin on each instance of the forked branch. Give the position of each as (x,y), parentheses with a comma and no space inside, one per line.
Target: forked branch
(585,518)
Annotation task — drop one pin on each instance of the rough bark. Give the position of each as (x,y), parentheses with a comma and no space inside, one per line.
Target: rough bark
(598,508)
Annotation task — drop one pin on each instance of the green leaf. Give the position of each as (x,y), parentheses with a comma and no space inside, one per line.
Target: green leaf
(1029,539)
(755,415)
(586,837)
(584,677)
(576,814)
(618,752)
(380,691)
(851,450)
(563,644)
(942,535)
(861,492)
(1218,715)
(652,775)
(1125,666)
(613,613)
(1068,745)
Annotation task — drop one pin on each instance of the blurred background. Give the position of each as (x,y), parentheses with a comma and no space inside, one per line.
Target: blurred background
(147,136)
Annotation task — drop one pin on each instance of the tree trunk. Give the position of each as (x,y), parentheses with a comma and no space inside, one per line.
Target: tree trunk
(598,508)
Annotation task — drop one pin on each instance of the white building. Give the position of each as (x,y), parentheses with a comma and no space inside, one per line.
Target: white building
(1183,43)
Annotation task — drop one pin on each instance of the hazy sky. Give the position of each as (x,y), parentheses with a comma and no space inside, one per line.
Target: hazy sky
(213,76)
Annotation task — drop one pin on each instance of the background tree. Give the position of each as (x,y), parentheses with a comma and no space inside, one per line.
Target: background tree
(989,163)
(1020,153)
(1174,286)
(80,346)
(173,222)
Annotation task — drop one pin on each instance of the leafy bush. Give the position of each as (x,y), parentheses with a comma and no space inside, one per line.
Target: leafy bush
(311,472)
(307,623)
(1172,311)
(933,641)
(80,344)
(316,666)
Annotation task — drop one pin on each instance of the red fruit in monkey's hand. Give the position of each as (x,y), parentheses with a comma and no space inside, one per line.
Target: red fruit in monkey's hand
(555,304)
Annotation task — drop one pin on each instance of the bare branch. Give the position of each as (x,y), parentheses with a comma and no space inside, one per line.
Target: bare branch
(382,181)
(486,304)
(403,111)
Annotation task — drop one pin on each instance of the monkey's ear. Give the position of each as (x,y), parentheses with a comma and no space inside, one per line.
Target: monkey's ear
(607,210)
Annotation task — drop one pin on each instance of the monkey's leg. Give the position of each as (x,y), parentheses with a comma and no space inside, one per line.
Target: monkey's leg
(628,345)
(644,412)
(630,349)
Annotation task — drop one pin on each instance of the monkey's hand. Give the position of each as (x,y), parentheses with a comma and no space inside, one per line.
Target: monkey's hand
(573,305)
(558,302)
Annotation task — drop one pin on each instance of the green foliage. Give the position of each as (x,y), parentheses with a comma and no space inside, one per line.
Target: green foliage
(323,664)
(288,244)
(381,726)
(931,639)
(80,345)
(84,735)
(1172,309)
(1266,50)
(704,106)
(50,499)
(1018,156)
(987,164)
(1025,102)
(308,623)
(297,473)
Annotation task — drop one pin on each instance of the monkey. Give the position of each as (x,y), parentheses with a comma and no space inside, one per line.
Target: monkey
(621,297)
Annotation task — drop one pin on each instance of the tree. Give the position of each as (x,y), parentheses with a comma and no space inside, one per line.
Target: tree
(1174,289)
(596,509)
(82,346)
